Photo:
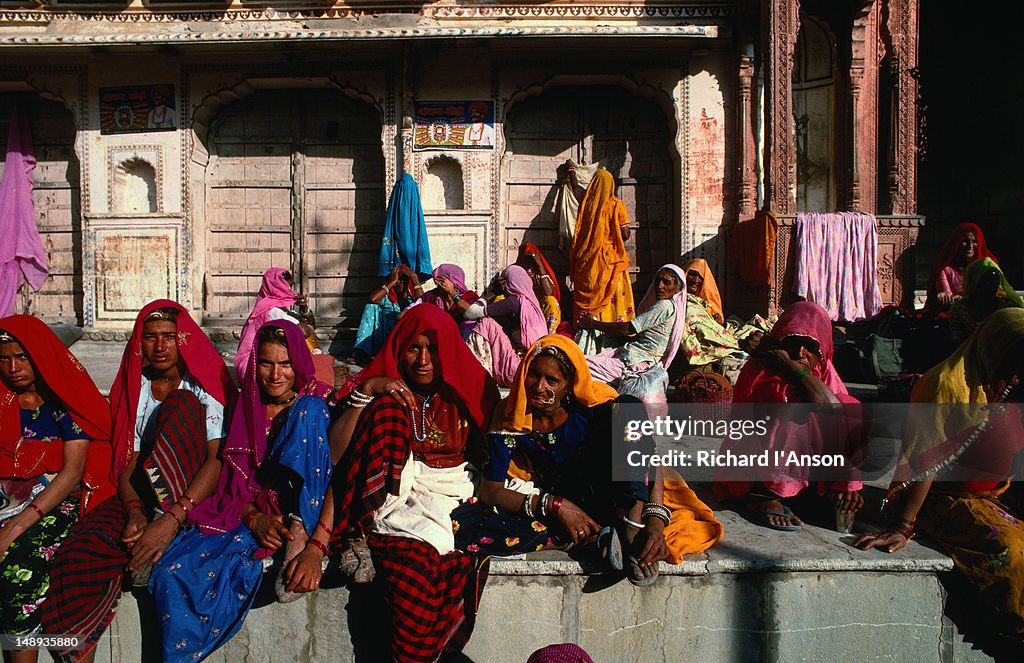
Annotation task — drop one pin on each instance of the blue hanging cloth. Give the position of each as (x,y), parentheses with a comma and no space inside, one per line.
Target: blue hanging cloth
(405,231)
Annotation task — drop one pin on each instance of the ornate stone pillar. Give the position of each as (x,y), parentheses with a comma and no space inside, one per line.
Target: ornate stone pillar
(866,56)
(903,30)
(747,156)
(780,34)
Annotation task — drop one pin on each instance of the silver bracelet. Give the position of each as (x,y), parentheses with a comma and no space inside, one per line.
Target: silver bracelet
(632,522)
(528,506)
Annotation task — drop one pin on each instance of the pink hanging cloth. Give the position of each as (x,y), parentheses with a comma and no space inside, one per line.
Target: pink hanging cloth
(22,257)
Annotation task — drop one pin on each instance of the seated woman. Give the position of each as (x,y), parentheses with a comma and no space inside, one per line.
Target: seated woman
(793,364)
(545,284)
(700,283)
(276,300)
(986,290)
(599,261)
(54,470)
(167,408)
(556,433)
(504,329)
(407,466)
(654,337)
(277,464)
(946,284)
(953,480)
(706,340)
(450,291)
(379,316)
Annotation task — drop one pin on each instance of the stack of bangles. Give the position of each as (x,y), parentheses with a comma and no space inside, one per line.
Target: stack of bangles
(801,373)
(358,399)
(549,505)
(655,510)
(316,543)
(904,527)
(186,504)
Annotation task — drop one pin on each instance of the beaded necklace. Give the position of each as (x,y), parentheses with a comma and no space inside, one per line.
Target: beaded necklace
(421,433)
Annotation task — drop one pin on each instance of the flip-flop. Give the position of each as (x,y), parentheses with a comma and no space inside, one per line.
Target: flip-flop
(610,547)
(635,572)
(764,518)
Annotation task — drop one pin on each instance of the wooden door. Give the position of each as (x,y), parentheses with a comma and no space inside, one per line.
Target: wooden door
(627,134)
(296,180)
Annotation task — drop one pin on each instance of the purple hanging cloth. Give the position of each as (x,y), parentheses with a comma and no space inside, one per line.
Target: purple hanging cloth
(22,257)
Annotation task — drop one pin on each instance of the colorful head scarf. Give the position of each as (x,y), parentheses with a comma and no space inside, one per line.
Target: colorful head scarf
(405,230)
(599,255)
(977,269)
(454,274)
(679,300)
(519,285)
(68,380)
(460,370)
(933,438)
(759,383)
(529,249)
(709,288)
(563,653)
(274,293)
(513,415)
(201,359)
(949,250)
(245,447)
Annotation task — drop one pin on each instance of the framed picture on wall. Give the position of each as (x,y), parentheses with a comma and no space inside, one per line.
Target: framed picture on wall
(453,125)
(139,108)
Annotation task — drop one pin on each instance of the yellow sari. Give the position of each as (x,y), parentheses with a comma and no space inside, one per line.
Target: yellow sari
(599,261)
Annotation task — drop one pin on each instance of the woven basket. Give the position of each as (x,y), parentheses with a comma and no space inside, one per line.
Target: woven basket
(710,393)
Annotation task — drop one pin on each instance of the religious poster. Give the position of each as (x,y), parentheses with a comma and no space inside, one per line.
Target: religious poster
(125,110)
(454,125)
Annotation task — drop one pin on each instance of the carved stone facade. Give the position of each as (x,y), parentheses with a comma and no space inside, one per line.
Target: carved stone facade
(295,120)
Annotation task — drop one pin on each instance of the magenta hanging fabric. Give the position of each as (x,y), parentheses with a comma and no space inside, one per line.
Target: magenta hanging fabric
(22,258)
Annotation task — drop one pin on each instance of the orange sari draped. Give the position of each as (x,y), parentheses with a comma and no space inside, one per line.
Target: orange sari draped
(599,261)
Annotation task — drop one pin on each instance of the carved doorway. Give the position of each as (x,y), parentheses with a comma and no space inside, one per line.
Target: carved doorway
(57,201)
(624,132)
(295,180)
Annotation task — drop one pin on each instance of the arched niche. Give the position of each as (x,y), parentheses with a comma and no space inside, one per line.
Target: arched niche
(134,188)
(814,116)
(443,184)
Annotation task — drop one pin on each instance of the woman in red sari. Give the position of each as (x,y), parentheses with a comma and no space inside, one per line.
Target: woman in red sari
(408,465)
(166,406)
(946,284)
(55,469)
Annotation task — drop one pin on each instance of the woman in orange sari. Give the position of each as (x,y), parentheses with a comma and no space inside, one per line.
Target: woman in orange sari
(599,261)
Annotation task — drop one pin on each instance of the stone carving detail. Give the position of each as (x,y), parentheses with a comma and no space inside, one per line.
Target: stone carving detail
(782,27)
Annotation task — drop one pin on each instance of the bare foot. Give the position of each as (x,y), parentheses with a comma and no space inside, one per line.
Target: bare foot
(296,545)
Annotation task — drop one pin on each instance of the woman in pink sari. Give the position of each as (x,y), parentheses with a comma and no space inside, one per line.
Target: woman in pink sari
(274,300)
(506,328)
(793,364)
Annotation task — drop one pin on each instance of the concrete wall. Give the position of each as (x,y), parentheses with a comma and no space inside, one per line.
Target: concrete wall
(785,616)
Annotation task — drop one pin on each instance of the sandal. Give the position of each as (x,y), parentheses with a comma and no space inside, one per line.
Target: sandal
(609,546)
(764,518)
(635,572)
(356,561)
